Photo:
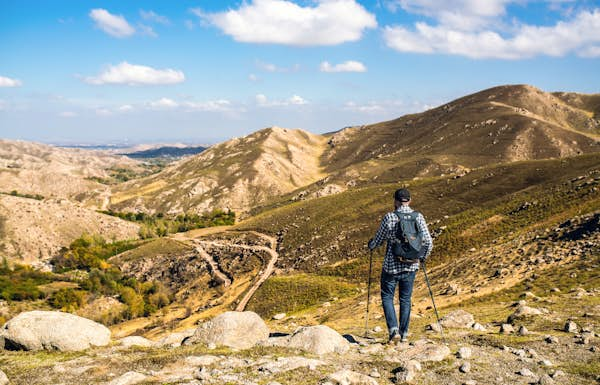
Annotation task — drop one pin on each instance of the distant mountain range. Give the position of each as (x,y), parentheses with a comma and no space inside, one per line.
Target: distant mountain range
(165,152)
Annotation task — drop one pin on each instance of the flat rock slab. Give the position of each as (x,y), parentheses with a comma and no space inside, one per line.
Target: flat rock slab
(422,353)
(284,364)
(53,330)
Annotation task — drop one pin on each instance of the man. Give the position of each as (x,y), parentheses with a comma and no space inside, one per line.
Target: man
(397,271)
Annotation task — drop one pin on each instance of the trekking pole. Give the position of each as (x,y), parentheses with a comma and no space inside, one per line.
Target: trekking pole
(368,294)
(437,316)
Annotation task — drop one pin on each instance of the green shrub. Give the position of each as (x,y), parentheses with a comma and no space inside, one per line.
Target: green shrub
(67,299)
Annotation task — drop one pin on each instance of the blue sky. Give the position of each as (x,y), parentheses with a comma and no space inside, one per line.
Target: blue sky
(203,71)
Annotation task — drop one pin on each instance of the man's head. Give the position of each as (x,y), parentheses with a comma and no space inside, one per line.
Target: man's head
(402,196)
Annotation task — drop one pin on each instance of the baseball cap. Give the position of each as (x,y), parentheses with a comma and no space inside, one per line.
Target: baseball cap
(402,195)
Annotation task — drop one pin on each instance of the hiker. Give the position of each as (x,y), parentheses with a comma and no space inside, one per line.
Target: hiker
(400,270)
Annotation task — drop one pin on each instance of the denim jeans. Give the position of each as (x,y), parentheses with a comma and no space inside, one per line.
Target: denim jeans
(404,281)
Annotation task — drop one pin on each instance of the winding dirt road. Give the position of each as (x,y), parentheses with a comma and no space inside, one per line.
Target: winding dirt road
(220,277)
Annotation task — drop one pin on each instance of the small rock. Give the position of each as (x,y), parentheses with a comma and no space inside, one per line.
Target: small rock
(407,372)
(436,327)
(375,373)
(3,378)
(571,327)
(545,380)
(470,382)
(593,349)
(557,373)
(526,372)
(520,352)
(555,290)
(377,329)
(546,363)
(202,374)
(506,329)
(279,316)
(136,341)
(523,331)
(348,377)
(465,367)
(458,319)
(211,346)
(129,378)
(464,352)
(479,327)
(551,339)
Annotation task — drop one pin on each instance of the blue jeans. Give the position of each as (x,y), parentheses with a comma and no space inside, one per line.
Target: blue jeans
(404,281)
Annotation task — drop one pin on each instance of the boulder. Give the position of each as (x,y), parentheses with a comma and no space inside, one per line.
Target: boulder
(3,378)
(407,373)
(348,377)
(464,352)
(135,341)
(571,327)
(506,329)
(174,340)
(318,339)
(238,330)
(524,311)
(53,330)
(458,319)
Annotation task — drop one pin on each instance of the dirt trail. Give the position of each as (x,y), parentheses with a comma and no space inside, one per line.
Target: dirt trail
(266,272)
(216,272)
(220,277)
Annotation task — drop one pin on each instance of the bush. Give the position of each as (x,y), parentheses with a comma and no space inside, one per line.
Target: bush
(67,299)
(134,301)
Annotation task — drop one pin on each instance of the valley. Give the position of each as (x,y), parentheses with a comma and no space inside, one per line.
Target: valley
(277,223)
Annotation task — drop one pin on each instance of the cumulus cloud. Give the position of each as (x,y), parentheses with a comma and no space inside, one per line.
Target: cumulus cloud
(186,105)
(329,22)
(163,103)
(132,74)
(578,35)
(147,30)
(263,101)
(269,67)
(125,108)
(114,25)
(347,66)
(9,82)
(154,17)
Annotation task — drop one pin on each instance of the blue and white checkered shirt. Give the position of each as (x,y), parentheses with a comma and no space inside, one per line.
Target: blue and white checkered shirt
(386,232)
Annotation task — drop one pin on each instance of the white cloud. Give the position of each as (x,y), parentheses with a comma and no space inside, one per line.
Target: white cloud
(263,101)
(103,112)
(114,25)
(164,103)
(146,30)
(253,78)
(590,52)
(131,74)
(211,105)
(347,66)
(269,67)
(154,17)
(578,35)
(329,22)
(67,114)
(9,82)
(125,108)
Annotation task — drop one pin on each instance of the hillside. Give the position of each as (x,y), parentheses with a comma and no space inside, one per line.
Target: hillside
(53,172)
(165,152)
(32,231)
(237,174)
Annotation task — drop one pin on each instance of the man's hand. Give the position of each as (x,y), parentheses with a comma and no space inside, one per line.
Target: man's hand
(370,244)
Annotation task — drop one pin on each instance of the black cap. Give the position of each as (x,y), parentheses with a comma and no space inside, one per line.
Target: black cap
(402,195)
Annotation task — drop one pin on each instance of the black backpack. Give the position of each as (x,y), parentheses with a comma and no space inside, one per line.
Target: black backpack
(407,241)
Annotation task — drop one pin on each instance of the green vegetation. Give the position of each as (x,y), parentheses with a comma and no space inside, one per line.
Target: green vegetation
(297,292)
(21,282)
(15,193)
(121,174)
(89,252)
(159,225)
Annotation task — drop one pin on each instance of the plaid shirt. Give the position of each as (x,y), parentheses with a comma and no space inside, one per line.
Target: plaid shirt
(386,232)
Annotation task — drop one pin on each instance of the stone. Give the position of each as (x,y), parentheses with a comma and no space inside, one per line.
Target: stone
(129,378)
(479,327)
(135,341)
(374,373)
(52,330)
(571,327)
(551,339)
(319,339)
(238,330)
(545,380)
(557,373)
(284,364)
(458,319)
(465,367)
(470,382)
(452,289)
(377,329)
(279,316)
(506,329)
(523,331)
(3,378)
(426,352)
(436,327)
(464,352)
(524,311)
(545,362)
(176,339)
(407,372)
(348,377)
(525,372)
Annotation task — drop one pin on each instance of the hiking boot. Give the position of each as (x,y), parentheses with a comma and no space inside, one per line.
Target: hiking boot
(394,338)
(404,339)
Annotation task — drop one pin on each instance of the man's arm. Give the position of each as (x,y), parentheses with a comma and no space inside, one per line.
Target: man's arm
(382,233)
(427,240)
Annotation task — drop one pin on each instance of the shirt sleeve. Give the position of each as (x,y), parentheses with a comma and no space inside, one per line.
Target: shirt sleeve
(427,240)
(382,234)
